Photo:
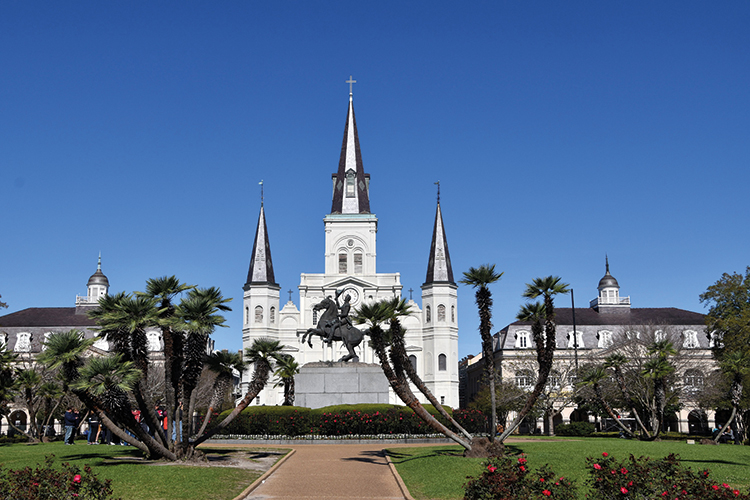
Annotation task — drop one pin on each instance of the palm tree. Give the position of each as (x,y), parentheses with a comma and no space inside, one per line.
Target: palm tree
(49,391)
(165,289)
(400,359)
(29,381)
(593,378)
(65,350)
(223,364)
(262,354)
(545,340)
(735,365)
(658,368)
(480,278)
(109,379)
(198,316)
(286,369)
(9,387)
(616,361)
(376,314)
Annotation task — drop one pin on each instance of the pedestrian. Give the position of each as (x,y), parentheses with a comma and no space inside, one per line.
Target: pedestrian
(70,420)
(93,429)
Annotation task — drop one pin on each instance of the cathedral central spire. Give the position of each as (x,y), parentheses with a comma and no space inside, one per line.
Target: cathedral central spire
(351,185)
(439,269)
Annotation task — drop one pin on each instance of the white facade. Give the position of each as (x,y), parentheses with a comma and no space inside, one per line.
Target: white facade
(351,267)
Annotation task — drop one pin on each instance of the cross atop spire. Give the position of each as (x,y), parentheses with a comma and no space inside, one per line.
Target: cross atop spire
(350,81)
(438,185)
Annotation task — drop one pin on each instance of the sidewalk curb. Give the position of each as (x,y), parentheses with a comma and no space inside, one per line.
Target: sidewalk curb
(246,492)
(401,485)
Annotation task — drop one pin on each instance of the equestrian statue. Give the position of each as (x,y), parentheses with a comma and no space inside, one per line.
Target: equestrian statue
(335,325)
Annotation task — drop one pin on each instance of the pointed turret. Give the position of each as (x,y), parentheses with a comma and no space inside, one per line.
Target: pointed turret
(351,185)
(261,267)
(439,269)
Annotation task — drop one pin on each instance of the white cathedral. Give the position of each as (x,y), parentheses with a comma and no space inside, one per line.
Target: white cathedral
(350,267)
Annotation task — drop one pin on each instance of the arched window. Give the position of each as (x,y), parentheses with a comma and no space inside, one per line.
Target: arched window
(427,314)
(247,314)
(315,317)
(272,315)
(441,312)
(46,339)
(659,335)
(554,379)
(693,379)
(357,263)
(350,179)
(442,362)
(413,361)
(453,314)
(342,263)
(154,341)
(605,339)
(522,340)
(691,339)
(258,314)
(524,379)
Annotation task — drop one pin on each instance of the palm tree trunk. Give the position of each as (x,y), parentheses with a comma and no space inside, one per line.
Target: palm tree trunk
(400,349)
(257,384)
(626,394)
(32,439)
(401,388)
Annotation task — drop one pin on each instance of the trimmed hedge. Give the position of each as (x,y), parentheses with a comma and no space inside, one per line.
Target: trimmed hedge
(575,429)
(339,420)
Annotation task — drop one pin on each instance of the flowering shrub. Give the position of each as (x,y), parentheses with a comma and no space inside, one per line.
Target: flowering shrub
(473,421)
(47,483)
(645,478)
(505,478)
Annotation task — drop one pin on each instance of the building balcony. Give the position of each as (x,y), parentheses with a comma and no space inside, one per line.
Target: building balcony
(85,299)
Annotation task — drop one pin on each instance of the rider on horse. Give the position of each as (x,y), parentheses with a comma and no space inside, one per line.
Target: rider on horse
(343,319)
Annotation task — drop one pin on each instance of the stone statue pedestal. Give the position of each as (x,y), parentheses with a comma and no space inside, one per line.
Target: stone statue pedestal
(326,384)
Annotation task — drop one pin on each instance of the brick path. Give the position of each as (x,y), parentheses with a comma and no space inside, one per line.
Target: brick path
(332,472)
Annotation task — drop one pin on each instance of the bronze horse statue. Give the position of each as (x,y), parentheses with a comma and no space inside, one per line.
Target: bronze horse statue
(329,324)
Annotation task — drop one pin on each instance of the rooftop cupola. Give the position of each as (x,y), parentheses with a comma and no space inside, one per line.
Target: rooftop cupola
(609,293)
(351,185)
(96,288)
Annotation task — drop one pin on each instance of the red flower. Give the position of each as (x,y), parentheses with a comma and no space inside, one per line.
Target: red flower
(77,478)
(605,454)
(624,490)
(523,468)
(715,486)
(664,494)
(630,483)
(725,485)
(736,492)
(597,466)
(612,472)
(522,460)
(624,470)
(491,468)
(546,493)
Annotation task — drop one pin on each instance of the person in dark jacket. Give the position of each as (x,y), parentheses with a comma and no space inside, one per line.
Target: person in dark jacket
(70,420)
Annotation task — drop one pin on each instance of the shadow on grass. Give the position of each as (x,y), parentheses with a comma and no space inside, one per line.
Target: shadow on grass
(399,457)
(722,462)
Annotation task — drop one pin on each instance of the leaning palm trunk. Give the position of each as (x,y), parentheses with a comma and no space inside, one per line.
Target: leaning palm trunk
(626,394)
(610,412)
(401,388)
(220,390)
(32,439)
(736,396)
(258,382)
(399,349)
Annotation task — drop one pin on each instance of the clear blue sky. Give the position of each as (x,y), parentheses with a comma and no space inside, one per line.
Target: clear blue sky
(560,131)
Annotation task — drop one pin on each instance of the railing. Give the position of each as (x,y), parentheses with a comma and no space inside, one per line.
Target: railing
(610,301)
(85,299)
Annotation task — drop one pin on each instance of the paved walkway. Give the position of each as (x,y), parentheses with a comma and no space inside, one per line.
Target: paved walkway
(332,472)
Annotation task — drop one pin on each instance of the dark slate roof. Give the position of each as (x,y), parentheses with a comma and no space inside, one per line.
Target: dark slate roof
(261,265)
(437,271)
(632,316)
(46,316)
(361,180)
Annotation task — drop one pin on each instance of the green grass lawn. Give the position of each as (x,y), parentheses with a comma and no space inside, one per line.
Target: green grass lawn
(440,472)
(136,481)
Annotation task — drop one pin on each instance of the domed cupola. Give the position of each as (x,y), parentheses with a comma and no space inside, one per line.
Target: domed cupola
(98,285)
(609,294)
